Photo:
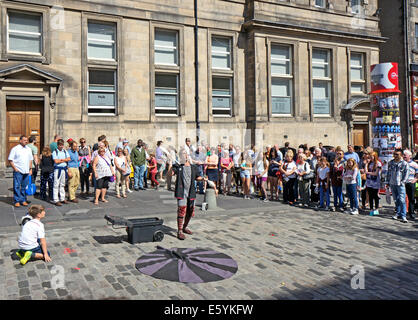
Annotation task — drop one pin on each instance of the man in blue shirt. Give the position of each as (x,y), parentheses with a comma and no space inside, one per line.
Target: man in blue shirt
(61,158)
(351,154)
(73,172)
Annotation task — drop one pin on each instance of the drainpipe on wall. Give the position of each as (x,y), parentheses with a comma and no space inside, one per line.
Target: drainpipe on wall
(407,73)
(196,61)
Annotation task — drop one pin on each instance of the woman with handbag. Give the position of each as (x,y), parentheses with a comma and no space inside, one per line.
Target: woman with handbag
(373,169)
(337,171)
(104,173)
(122,172)
(305,175)
(273,173)
(288,170)
(84,158)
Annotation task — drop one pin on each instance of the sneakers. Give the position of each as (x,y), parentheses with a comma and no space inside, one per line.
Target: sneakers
(19,254)
(266,200)
(404,220)
(129,190)
(374,212)
(17,204)
(354,212)
(26,257)
(395,218)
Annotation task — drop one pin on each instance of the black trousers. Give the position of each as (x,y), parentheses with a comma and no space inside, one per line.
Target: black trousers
(84,178)
(289,190)
(410,192)
(373,197)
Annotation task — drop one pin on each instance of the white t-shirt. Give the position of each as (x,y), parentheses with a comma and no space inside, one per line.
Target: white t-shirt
(261,166)
(289,167)
(121,162)
(21,156)
(322,173)
(31,232)
(304,167)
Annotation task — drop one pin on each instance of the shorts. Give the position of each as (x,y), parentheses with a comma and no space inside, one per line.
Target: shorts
(103,183)
(245,174)
(38,249)
(212,174)
(273,173)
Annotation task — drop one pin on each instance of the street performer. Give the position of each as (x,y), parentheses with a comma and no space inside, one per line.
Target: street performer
(185,191)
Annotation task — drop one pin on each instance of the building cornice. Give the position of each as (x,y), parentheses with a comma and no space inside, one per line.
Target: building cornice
(256,24)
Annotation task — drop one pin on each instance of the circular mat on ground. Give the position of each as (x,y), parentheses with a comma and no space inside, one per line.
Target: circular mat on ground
(190,265)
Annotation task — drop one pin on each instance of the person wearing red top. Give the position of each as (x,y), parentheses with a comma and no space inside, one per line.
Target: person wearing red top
(152,167)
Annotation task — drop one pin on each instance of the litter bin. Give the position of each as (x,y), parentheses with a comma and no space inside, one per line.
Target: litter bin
(139,229)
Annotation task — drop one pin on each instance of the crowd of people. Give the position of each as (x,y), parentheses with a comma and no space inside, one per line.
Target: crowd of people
(306,176)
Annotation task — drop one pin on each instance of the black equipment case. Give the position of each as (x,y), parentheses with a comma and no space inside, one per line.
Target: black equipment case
(141,229)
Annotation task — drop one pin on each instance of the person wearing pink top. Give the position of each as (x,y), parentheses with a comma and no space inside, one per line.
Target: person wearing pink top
(152,167)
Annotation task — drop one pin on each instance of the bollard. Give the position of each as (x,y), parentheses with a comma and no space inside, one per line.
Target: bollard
(210,199)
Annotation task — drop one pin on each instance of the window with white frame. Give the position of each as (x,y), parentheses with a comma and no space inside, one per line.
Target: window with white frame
(358,83)
(320,3)
(356,6)
(321,81)
(281,80)
(24,32)
(165,47)
(221,53)
(102,93)
(166,94)
(101,38)
(221,96)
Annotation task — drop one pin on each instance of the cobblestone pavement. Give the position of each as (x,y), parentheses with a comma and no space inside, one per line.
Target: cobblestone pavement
(282,253)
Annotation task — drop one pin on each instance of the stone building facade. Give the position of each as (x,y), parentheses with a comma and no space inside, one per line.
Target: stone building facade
(269,71)
(399,24)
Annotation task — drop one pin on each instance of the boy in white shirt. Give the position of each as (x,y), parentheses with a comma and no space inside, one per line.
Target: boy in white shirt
(32,241)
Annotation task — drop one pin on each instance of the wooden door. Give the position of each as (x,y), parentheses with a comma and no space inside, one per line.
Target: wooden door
(23,118)
(360,135)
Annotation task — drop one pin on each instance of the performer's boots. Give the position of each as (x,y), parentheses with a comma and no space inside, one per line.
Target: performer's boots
(189,215)
(181,212)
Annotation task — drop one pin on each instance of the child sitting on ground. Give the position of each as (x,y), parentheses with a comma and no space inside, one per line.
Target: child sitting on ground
(32,241)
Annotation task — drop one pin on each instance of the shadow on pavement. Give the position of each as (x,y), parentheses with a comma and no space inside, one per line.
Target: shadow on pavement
(379,283)
(407,234)
(111,239)
(7,200)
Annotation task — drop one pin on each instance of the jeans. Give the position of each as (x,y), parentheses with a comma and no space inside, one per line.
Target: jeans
(324,195)
(338,196)
(146,177)
(139,176)
(47,178)
(399,195)
(352,195)
(20,182)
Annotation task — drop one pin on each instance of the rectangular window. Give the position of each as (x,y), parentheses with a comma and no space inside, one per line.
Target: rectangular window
(322,81)
(416,35)
(101,41)
(24,33)
(320,3)
(356,6)
(102,92)
(221,96)
(166,94)
(357,73)
(281,80)
(221,53)
(165,47)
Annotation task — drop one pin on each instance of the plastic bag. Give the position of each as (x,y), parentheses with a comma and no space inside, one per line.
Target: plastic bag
(388,196)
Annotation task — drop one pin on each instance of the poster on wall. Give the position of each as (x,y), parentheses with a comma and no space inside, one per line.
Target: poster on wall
(384,100)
